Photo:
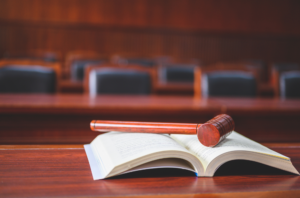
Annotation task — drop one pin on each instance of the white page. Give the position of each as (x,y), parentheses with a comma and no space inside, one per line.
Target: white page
(124,147)
(97,169)
(164,163)
(233,142)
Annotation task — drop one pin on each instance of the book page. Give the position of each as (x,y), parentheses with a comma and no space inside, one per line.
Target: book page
(124,147)
(164,163)
(234,142)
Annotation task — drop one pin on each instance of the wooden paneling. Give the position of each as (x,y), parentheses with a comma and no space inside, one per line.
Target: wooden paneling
(249,16)
(60,171)
(207,30)
(184,45)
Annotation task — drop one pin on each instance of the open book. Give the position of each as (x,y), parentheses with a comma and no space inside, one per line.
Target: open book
(116,153)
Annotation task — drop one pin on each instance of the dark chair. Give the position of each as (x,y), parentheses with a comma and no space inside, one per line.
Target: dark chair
(282,67)
(176,73)
(78,67)
(277,70)
(290,84)
(27,79)
(76,63)
(144,62)
(119,81)
(260,67)
(141,62)
(229,84)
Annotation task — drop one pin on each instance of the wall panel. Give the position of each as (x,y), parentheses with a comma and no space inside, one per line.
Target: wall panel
(207,30)
(248,16)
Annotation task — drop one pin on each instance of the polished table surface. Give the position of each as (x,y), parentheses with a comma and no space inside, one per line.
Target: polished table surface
(63,171)
(65,103)
(64,119)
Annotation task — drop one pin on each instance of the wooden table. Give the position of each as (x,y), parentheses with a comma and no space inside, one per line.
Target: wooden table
(63,171)
(64,119)
(69,86)
(179,89)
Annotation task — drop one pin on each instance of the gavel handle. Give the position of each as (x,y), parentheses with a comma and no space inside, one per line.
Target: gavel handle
(144,127)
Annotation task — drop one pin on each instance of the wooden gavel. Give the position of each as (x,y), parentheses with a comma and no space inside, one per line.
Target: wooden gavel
(209,133)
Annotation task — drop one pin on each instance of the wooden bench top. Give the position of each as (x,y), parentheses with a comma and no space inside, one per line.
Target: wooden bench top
(63,171)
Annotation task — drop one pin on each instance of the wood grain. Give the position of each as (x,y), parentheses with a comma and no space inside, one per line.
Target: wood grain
(179,89)
(65,119)
(246,16)
(143,127)
(215,130)
(194,29)
(69,86)
(65,172)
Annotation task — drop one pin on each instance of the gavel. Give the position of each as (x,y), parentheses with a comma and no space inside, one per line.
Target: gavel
(209,134)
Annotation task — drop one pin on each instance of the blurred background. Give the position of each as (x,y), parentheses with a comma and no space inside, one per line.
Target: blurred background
(252,35)
(209,31)
(170,50)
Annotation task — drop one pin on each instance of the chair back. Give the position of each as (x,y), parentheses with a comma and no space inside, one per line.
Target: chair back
(277,70)
(226,80)
(229,84)
(176,73)
(125,61)
(78,67)
(290,84)
(27,79)
(118,80)
(77,61)
(283,67)
(29,76)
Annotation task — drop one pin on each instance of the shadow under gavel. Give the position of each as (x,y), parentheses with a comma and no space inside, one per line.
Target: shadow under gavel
(209,134)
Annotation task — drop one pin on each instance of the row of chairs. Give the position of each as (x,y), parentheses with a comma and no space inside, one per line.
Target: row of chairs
(73,64)
(170,72)
(76,62)
(116,79)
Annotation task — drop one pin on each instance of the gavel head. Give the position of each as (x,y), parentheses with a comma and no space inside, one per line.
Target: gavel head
(215,130)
